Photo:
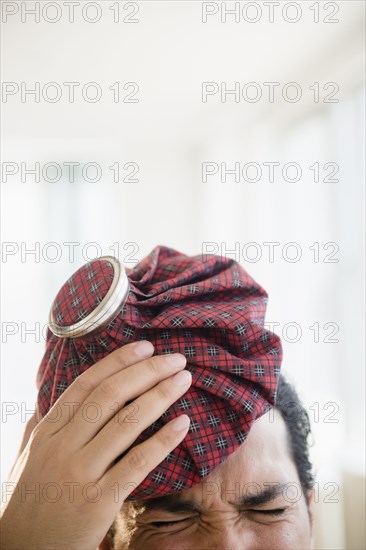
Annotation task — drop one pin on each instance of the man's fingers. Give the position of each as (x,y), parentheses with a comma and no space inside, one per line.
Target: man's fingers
(133,468)
(124,427)
(68,403)
(114,392)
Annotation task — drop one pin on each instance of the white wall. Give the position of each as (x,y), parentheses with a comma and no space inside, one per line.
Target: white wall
(169,133)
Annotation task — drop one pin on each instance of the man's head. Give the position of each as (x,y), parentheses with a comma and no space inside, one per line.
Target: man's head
(206,307)
(259,498)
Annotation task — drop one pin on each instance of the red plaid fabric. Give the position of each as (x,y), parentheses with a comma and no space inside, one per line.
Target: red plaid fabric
(207,308)
(82,292)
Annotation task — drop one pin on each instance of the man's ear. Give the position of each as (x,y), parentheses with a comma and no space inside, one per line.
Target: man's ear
(311,515)
(104,545)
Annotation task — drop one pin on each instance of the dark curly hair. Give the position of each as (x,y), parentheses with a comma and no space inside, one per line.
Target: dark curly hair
(298,430)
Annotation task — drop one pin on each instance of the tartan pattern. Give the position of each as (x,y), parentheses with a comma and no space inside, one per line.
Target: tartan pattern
(211,311)
(82,292)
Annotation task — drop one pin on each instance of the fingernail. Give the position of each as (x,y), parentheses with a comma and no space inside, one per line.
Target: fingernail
(176,360)
(182,378)
(180,423)
(144,348)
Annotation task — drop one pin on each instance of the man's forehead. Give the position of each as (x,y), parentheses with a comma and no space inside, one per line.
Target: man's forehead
(261,463)
(264,454)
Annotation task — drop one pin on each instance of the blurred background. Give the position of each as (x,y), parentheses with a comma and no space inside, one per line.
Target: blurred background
(179,123)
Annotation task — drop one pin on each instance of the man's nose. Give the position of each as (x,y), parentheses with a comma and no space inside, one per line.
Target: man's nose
(227,538)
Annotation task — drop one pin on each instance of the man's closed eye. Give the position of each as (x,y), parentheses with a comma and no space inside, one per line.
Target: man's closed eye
(165,523)
(272,512)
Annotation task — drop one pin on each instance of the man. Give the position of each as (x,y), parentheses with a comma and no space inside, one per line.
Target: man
(260,498)
(110,432)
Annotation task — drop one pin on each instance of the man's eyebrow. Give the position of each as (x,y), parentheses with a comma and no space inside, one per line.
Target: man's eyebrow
(170,503)
(270,492)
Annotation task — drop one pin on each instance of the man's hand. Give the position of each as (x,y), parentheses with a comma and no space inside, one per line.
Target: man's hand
(67,488)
